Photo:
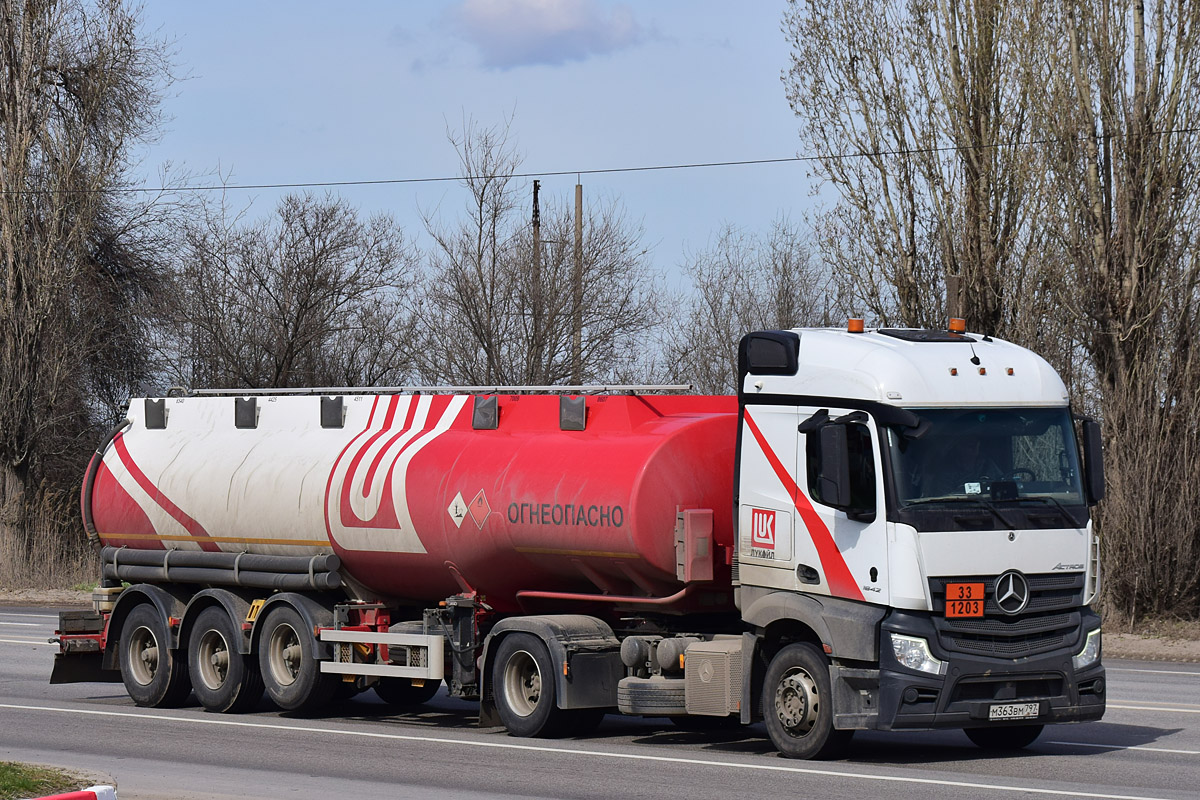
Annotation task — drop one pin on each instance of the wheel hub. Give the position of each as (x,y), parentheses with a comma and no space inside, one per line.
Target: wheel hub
(796,702)
(523,683)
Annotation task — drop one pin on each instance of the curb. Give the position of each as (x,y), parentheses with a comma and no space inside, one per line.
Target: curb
(90,793)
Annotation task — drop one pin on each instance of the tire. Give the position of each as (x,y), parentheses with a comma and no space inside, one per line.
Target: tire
(652,697)
(797,704)
(523,683)
(1011,737)
(224,679)
(401,693)
(287,659)
(154,675)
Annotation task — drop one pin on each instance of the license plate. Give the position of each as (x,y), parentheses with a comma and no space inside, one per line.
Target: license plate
(964,600)
(1014,711)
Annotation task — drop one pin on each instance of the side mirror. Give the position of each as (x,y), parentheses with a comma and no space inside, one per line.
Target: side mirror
(835,466)
(1093,461)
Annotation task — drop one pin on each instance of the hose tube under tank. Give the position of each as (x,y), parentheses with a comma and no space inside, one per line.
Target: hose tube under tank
(286,573)
(89,484)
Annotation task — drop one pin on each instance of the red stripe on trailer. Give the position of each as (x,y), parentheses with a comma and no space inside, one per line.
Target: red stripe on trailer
(117,514)
(178,514)
(837,574)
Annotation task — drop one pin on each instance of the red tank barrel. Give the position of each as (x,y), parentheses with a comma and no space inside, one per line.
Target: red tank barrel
(419,505)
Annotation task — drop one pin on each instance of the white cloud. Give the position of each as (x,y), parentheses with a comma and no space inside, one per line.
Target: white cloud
(513,33)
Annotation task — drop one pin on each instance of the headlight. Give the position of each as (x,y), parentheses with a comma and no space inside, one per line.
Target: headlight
(1090,653)
(914,654)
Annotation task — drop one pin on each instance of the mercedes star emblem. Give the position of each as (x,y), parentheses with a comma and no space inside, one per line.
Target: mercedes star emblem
(1012,592)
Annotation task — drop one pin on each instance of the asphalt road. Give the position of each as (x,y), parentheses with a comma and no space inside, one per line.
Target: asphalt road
(1147,746)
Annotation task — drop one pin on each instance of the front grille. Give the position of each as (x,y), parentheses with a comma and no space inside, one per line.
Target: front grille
(1050,620)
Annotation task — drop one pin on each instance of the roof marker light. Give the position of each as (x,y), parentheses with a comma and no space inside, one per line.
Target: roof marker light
(958,325)
(1010,370)
(854,325)
(983,370)
(953,371)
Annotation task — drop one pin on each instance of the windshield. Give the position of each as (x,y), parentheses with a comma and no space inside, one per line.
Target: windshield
(995,468)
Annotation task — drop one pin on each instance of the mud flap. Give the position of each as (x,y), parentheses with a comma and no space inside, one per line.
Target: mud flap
(82,668)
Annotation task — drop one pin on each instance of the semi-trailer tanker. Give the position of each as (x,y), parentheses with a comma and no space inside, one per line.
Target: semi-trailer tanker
(883,529)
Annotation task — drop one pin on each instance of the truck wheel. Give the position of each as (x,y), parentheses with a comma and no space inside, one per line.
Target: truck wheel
(523,682)
(401,693)
(798,704)
(223,679)
(1012,737)
(154,675)
(290,671)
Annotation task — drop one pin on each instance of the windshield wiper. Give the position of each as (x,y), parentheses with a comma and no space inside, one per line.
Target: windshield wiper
(1047,500)
(976,501)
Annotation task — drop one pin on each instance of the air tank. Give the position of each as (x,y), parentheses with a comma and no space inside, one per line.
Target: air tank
(420,503)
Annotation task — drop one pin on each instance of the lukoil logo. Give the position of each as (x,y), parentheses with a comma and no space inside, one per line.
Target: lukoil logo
(762,528)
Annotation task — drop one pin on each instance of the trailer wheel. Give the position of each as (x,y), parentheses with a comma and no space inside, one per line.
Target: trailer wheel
(224,680)
(523,682)
(401,693)
(154,675)
(290,671)
(798,704)
(1012,737)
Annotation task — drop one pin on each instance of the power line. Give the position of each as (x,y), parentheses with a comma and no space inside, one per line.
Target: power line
(901,152)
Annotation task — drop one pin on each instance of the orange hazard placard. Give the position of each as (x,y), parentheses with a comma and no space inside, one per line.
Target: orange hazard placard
(964,599)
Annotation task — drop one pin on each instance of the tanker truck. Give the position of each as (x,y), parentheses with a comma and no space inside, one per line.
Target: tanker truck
(884,529)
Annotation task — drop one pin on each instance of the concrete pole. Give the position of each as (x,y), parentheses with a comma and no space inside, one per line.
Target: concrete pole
(577,292)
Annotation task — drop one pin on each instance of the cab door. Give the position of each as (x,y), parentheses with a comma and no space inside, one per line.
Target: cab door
(844,538)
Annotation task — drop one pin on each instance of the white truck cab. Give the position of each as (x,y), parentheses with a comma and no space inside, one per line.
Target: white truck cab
(918,500)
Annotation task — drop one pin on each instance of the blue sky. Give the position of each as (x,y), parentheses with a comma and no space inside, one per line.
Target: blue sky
(320,91)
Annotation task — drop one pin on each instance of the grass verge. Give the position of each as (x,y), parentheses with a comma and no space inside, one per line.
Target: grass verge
(27,780)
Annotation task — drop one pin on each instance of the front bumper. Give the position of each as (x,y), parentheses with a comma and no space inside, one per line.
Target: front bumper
(971,685)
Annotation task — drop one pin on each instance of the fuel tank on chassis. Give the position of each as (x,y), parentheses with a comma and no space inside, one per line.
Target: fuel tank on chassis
(406,492)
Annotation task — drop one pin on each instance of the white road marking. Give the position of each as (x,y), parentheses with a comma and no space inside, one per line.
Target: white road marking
(594,753)
(1154,671)
(39,642)
(1175,709)
(29,616)
(1129,747)
(26,624)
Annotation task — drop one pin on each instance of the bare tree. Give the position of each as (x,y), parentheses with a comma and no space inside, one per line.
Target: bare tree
(79,89)
(1122,108)
(915,110)
(740,284)
(1045,152)
(312,296)
(491,315)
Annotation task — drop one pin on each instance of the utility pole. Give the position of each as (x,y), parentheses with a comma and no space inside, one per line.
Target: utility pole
(954,298)
(533,361)
(577,291)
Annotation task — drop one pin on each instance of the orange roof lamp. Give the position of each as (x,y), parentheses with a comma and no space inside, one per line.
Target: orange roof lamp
(854,325)
(958,325)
